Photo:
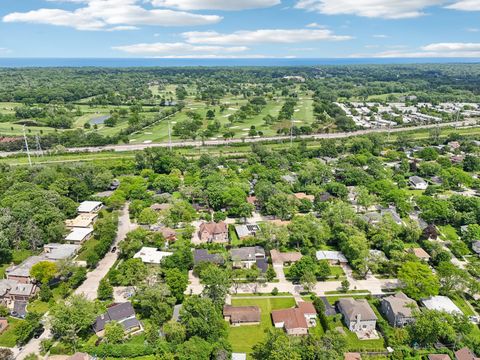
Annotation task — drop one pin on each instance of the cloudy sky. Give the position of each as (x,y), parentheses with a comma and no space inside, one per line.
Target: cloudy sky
(240,29)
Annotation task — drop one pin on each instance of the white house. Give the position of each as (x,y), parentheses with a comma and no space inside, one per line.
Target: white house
(79,235)
(90,207)
(151,255)
(441,303)
(333,257)
(417,183)
(476,247)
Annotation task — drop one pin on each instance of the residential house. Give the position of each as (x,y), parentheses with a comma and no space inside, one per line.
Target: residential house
(333,257)
(420,253)
(279,258)
(441,303)
(431,232)
(246,230)
(239,356)
(150,255)
(79,235)
(213,232)
(246,257)
(295,321)
(438,357)
(55,251)
(22,292)
(242,315)
(291,179)
(90,207)
(398,309)
(352,356)
(476,247)
(465,354)
(122,313)
(168,234)
(202,255)
(79,356)
(454,145)
(417,183)
(392,211)
(373,217)
(358,316)
(21,272)
(84,220)
(303,196)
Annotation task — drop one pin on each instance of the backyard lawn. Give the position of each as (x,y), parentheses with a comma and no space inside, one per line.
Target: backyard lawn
(8,338)
(243,338)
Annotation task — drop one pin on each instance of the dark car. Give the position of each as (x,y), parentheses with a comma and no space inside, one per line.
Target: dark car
(114,249)
(38,332)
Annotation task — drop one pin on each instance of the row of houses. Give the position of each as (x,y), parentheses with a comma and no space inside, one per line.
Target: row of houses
(295,321)
(81,227)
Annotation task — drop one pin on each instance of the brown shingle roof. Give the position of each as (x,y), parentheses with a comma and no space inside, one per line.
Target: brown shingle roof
(294,318)
(214,228)
(438,357)
(465,354)
(242,313)
(352,356)
(420,253)
(280,258)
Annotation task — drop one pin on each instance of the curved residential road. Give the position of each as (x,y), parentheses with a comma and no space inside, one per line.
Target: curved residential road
(90,285)
(339,135)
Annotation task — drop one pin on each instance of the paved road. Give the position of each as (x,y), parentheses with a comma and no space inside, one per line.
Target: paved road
(90,286)
(134,147)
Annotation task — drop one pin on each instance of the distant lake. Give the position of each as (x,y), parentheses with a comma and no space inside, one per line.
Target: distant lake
(151,62)
(99,120)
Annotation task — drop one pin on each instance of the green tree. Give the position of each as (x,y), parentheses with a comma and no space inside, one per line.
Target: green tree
(114,332)
(25,330)
(44,271)
(202,318)
(308,281)
(217,283)
(417,280)
(277,346)
(174,332)
(195,348)
(147,217)
(71,319)
(155,302)
(105,290)
(177,281)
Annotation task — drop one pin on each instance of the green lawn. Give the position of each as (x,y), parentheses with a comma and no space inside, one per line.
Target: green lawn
(243,338)
(86,247)
(448,233)
(8,337)
(463,305)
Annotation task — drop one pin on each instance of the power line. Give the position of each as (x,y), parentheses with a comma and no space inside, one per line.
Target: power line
(26,146)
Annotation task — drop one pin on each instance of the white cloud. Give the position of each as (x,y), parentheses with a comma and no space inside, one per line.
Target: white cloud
(435,50)
(262,36)
(316,25)
(380,36)
(111,15)
(4,51)
(452,47)
(227,5)
(177,49)
(473,29)
(465,5)
(389,9)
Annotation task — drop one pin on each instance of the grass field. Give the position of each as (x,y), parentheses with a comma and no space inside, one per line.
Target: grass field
(8,337)
(243,338)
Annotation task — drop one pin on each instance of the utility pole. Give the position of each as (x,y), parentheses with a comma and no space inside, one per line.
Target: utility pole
(39,146)
(26,146)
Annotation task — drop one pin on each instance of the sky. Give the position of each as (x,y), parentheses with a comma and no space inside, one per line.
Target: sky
(240,29)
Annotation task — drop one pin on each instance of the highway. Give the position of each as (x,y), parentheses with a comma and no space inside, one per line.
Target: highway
(199,143)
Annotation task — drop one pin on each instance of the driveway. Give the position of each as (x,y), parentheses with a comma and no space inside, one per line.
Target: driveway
(90,285)
(33,346)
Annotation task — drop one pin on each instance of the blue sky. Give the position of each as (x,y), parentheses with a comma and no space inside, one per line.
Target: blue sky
(240,29)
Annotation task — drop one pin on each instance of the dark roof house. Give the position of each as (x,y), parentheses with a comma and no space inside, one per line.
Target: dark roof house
(122,313)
